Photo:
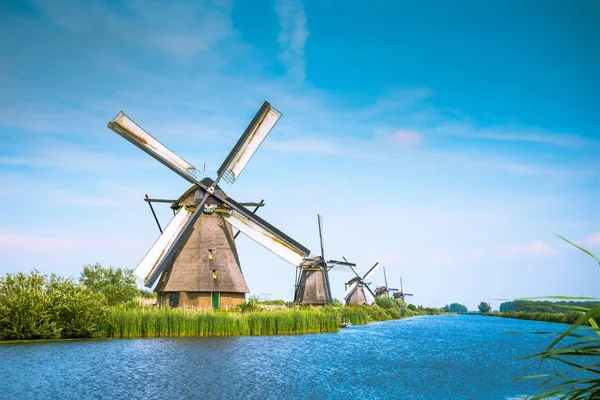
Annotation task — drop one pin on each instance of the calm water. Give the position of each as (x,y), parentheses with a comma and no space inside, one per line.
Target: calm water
(445,357)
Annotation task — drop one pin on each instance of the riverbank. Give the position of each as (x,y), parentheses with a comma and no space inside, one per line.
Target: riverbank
(560,318)
(162,322)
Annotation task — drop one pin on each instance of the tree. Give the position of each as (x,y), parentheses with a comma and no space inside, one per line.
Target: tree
(117,285)
(456,308)
(484,307)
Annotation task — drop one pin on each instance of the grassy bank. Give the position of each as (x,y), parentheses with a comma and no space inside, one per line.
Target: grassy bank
(561,318)
(166,322)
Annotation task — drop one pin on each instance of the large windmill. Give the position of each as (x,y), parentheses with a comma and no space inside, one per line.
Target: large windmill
(401,294)
(355,294)
(195,258)
(384,291)
(312,277)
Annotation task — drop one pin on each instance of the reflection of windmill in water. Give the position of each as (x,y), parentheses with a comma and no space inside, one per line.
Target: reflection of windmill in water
(401,294)
(312,277)
(384,291)
(195,259)
(355,294)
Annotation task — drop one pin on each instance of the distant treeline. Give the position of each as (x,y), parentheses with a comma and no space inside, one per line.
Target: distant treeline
(550,307)
(561,318)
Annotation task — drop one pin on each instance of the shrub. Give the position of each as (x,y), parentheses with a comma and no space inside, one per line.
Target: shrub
(25,309)
(77,311)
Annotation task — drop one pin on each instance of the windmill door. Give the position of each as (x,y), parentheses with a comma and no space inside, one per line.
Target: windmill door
(216,300)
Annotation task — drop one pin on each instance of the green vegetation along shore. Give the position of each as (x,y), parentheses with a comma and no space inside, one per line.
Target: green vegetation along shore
(563,312)
(105,303)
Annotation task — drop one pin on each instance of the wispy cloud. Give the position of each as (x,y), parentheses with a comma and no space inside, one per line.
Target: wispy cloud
(292,36)
(538,248)
(592,241)
(513,133)
(405,138)
(186,30)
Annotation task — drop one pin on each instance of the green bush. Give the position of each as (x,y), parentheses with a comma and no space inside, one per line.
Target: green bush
(25,308)
(77,311)
(395,308)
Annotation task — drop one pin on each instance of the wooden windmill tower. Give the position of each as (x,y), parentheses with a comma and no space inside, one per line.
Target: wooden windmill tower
(195,259)
(355,294)
(312,277)
(384,291)
(401,294)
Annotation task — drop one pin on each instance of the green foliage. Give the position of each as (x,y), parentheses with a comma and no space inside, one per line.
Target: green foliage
(78,311)
(455,308)
(582,353)
(35,307)
(545,306)
(249,306)
(484,307)
(167,322)
(25,308)
(118,285)
(395,308)
(337,303)
(146,294)
(273,302)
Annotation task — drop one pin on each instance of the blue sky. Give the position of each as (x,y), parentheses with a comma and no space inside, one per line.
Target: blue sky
(447,140)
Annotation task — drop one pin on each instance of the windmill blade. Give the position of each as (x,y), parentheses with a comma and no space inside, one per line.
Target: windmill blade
(151,265)
(373,269)
(408,294)
(124,126)
(385,277)
(260,126)
(369,295)
(352,266)
(257,206)
(321,236)
(272,242)
(350,290)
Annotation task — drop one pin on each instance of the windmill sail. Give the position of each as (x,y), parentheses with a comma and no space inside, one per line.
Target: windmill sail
(124,126)
(148,269)
(273,242)
(260,126)
(350,289)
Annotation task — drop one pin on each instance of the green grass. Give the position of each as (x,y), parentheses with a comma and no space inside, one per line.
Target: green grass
(165,322)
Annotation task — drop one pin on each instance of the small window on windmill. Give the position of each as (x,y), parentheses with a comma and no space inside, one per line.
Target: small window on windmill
(211,260)
(174,299)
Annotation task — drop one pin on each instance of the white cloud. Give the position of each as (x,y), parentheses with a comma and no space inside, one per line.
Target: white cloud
(538,248)
(14,242)
(592,240)
(292,36)
(405,138)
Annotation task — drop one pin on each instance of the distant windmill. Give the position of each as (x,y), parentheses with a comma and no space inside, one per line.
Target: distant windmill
(401,294)
(384,291)
(355,293)
(312,277)
(195,258)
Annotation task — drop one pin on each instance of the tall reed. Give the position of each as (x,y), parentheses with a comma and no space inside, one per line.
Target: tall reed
(166,322)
